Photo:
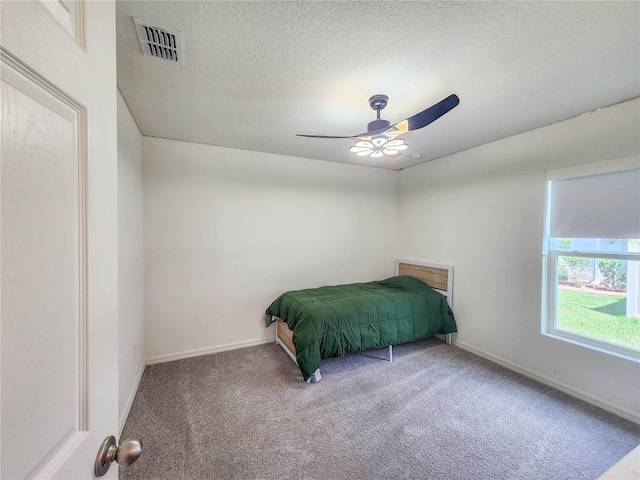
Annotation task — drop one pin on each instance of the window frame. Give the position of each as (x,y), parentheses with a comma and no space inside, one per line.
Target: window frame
(550,291)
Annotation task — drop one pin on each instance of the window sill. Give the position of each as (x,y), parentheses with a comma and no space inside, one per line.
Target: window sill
(593,344)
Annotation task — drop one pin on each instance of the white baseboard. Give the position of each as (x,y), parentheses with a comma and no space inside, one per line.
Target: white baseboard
(132,396)
(207,350)
(598,402)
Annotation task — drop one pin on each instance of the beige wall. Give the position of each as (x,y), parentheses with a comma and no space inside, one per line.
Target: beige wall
(482,211)
(130,260)
(227,231)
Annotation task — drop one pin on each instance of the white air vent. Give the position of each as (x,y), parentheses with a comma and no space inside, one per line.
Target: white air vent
(159,42)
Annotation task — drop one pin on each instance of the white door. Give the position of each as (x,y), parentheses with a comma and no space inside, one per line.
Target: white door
(58,232)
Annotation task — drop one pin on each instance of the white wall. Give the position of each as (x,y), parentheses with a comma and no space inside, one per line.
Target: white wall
(227,231)
(482,211)
(130,260)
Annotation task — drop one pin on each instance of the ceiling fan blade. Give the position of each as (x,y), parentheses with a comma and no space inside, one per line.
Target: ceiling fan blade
(425,117)
(360,135)
(326,136)
(415,122)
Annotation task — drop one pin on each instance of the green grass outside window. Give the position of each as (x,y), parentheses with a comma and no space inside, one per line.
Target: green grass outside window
(597,316)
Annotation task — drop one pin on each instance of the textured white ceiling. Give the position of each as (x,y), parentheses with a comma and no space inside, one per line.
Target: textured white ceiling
(257,73)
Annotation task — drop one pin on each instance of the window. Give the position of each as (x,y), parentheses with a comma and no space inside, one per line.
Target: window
(592,261)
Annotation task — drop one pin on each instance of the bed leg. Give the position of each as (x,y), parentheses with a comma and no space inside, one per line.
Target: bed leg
(391,353)
(448,338)
(274,319)
(315,378)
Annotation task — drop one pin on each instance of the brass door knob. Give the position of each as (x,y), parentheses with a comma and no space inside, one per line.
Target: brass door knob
(124,455)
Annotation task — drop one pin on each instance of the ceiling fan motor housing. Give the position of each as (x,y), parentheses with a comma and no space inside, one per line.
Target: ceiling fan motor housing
(378,125)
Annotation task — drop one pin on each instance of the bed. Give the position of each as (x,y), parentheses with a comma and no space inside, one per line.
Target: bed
(332,321)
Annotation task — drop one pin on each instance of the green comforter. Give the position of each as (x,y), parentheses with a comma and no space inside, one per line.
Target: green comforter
(335,320)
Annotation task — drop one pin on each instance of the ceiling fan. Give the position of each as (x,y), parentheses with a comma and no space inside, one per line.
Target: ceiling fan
(381,138)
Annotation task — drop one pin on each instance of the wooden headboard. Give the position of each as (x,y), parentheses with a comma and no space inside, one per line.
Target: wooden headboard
(438,277)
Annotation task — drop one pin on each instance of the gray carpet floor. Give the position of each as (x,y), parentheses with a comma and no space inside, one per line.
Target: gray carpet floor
(436,412)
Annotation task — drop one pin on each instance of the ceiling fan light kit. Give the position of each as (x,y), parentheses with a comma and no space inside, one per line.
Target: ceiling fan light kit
(379,146)
(381,138)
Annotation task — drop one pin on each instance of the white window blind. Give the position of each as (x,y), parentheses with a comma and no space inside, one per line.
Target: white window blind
(596,206)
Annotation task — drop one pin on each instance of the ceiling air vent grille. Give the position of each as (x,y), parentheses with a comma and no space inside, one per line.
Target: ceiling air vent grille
(159,42)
